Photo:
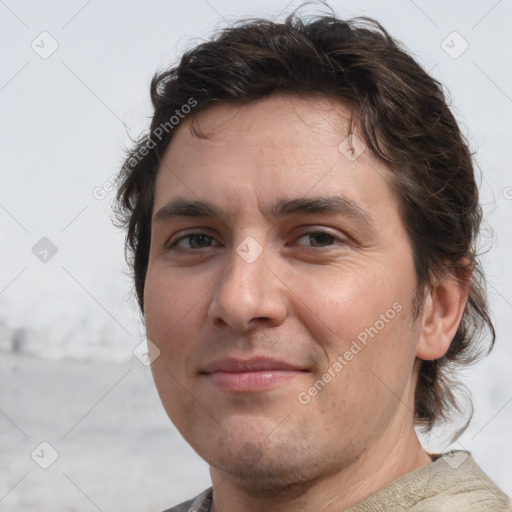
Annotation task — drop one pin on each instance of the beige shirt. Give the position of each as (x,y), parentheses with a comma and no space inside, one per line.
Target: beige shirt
(452,483)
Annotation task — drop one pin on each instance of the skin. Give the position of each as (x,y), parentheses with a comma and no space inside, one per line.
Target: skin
(303,300)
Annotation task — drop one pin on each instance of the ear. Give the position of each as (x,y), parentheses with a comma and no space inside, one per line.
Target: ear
(441,316)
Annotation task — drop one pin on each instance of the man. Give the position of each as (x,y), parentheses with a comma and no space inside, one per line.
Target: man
(302,219)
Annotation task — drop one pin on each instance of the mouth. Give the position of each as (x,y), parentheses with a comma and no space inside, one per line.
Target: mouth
(251,375)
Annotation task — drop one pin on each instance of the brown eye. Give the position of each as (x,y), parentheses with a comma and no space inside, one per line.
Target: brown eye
(318,239)
(321,239)
(194,241)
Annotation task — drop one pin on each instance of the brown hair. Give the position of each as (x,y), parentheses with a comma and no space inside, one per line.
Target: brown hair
(404,118)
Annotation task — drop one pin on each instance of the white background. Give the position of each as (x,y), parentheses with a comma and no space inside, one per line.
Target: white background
(68,327)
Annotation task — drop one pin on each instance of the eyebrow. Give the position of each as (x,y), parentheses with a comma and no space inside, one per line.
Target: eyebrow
(186,208)
(339,205)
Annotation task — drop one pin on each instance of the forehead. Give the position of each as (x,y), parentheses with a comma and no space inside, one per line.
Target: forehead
(259,125)
(280,146)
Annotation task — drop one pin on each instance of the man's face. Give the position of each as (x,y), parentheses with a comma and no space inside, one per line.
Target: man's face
(279,292)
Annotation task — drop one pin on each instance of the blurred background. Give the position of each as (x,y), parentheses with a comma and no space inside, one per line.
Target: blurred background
(81,427)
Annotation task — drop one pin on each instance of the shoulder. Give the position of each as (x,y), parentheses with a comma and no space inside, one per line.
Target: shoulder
(458,483)
(452,483)
(200,503)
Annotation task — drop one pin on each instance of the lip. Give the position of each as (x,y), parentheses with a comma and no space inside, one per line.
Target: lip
(254,364)
(250,375)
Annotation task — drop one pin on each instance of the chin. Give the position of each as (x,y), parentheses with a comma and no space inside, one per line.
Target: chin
(266,469)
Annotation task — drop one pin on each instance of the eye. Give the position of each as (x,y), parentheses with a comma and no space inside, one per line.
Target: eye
(318,239)
(193,241)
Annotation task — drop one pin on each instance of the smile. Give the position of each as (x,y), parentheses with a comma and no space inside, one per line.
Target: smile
(253,375)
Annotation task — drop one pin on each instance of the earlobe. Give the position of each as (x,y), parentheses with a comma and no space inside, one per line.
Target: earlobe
(442,312)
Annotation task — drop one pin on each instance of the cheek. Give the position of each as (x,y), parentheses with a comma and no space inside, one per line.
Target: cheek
(364,317)
(340,305)
(169,300)
(170,308)
(169,311)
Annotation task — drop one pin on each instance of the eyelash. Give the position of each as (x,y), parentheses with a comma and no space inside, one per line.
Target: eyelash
(336,241)
(190,235)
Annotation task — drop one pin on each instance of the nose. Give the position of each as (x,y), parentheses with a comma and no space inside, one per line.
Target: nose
(249,295)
